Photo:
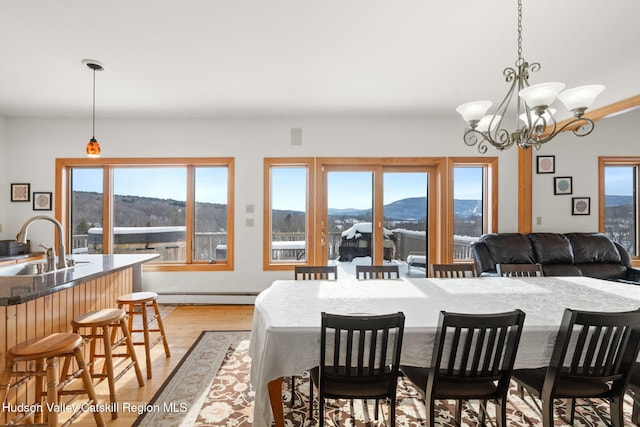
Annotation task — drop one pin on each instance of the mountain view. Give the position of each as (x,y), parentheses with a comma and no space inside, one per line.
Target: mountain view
(134,211)
(413,208)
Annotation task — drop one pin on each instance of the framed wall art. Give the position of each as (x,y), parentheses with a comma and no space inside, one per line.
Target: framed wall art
(20,192)
(562,185)
(581,206)
(41,201)
(545,164)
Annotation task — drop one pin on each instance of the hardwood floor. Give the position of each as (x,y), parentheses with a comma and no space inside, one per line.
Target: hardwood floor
(183,325)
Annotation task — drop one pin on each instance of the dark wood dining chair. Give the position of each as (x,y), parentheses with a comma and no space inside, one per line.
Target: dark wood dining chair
(316,272)
(592,358)
(450,271)
(359,359)
(473,357)
(519,270)
(311,272)
(370,272)
(634,392)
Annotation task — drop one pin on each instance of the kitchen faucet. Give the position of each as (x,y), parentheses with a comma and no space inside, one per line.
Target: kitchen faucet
(22,237)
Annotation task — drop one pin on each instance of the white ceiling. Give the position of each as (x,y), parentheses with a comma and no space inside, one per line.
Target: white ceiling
(270,58)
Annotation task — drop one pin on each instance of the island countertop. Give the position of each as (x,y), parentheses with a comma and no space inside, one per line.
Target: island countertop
(19,289)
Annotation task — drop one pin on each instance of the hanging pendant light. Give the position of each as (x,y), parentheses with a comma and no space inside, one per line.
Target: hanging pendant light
(93,147)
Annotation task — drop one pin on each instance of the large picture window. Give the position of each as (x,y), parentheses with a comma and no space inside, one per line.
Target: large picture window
(180,209)
(619,201)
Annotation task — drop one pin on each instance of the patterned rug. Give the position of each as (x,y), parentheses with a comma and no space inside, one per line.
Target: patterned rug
(221,396)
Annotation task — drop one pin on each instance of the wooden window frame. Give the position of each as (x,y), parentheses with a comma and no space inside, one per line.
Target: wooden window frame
(490,197)
(604,161)
(64,165)
(269,163)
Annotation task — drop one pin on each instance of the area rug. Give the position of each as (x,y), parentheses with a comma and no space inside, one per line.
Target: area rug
(219,394)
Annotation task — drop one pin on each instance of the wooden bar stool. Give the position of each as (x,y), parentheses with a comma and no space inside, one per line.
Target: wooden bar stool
(103,325)
(137,303)
(45,352)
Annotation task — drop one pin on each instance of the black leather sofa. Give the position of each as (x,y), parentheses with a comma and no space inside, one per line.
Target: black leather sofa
(571,254)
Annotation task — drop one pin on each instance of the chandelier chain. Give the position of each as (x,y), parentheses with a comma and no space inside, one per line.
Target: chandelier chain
(519,31)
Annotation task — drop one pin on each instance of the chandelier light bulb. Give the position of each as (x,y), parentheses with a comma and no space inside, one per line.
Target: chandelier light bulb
(490,120)
(581,97)
(547,115)
(541,95)
(474,111)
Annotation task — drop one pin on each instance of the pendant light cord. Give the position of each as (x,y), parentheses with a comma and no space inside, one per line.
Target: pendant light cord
(94,103)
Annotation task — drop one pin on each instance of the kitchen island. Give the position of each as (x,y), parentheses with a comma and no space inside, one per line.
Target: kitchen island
(38,305)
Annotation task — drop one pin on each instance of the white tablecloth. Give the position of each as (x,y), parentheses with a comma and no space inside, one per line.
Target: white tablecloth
(285,337)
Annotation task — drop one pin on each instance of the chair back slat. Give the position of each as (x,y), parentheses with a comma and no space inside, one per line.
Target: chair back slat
(600,346)
(477,355)
(466,351)
(494,366)
(519,270)
(316,272)
(476,347)
(451,271)
(371,272)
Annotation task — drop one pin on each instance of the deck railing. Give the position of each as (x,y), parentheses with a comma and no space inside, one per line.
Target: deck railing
(286,246)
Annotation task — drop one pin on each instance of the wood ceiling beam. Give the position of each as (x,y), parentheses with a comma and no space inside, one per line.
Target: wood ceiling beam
(610,110)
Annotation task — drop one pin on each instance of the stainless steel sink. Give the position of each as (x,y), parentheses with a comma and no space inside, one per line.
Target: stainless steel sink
(32,269)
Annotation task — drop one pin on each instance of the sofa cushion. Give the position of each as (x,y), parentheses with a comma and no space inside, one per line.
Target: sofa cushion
(603,271)
(509,248)
(552,248)
(593,248)
(561,270)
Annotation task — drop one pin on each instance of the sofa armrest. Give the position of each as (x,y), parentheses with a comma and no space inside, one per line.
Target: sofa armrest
(482,258)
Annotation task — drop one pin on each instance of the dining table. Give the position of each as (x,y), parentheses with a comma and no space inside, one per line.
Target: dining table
(285,335)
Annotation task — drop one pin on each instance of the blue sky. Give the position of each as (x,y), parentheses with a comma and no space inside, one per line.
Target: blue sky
(161,183)
(619,180)
(346,189)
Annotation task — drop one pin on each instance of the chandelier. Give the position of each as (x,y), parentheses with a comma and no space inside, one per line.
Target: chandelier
(535,123)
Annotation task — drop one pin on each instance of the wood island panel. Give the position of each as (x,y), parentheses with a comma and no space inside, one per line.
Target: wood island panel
(53,313)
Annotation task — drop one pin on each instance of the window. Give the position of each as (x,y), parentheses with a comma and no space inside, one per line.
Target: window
(473,188)
(180,209)
(619,201)
(310,203)
(288,190)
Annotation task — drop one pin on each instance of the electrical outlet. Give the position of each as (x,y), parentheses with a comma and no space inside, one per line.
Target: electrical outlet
(538,220)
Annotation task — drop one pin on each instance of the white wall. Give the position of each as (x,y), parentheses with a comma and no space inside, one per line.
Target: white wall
(4,178)
(578,158)
(32,145)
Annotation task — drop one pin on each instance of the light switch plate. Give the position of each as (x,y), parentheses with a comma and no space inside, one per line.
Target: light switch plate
(249,222)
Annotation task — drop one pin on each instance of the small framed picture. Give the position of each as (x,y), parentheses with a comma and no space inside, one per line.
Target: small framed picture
(41,201)
(562,185)
(546,164)
(20,192)
(580,205)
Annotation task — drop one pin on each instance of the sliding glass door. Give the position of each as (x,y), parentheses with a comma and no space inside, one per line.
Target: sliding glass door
(374,214)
